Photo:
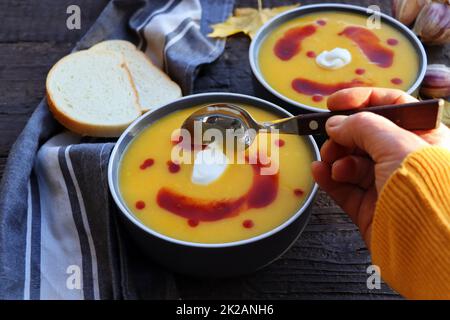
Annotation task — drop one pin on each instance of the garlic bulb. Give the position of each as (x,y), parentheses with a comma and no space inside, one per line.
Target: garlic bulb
(433,23)
(406,11)
(436,83)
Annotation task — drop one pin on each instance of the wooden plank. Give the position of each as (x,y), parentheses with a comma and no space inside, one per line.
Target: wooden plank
(10,128)
(2,165)
(438,54)
(385,5)
(22,83)
(45,20)
(22,79)
(28,50)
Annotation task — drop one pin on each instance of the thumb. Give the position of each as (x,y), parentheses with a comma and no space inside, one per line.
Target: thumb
(380,138)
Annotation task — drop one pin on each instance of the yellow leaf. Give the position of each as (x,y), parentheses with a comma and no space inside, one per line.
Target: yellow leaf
(247,20)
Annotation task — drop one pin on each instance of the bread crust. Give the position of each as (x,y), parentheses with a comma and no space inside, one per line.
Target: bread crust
(105,45)
(116,46)
(85,128)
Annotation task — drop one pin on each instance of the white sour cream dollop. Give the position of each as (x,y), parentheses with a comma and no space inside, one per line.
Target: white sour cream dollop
(334,59)
(209,165)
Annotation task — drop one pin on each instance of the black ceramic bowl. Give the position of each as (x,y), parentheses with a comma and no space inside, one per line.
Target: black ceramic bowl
(199,259)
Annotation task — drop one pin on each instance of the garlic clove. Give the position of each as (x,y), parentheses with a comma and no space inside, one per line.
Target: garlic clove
(443,39)
(436,83)
(406,11)
(433,23)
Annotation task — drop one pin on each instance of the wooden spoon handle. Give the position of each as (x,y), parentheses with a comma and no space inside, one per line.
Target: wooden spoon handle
(422,115)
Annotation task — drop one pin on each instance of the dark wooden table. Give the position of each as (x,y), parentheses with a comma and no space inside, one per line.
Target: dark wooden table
(328,261)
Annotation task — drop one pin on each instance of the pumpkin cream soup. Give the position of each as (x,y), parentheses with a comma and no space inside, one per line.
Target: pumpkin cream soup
(309,58)
(218,204)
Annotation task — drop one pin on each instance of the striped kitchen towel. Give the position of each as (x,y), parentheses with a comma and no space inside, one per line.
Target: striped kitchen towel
(59,234)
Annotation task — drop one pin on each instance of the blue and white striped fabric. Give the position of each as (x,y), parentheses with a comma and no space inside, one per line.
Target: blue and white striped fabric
(59,234)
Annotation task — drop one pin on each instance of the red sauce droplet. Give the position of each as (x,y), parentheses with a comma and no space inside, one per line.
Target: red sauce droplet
(147,163)
(263,192)
(360,71)
(370,45)
(392,42)
(192,223)
(299,192)
(280,143)
(290,44)
(311,54)
(317,98)
(248,224)
(313,88)
(173,167)
(397,81)
(321,22)
(140,205)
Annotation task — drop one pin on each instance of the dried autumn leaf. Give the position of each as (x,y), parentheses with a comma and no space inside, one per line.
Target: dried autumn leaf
(247,20)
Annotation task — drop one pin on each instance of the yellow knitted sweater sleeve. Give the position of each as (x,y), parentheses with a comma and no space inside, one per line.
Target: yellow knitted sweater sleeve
(411,227)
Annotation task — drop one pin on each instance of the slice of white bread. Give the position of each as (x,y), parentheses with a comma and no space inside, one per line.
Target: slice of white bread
(154,87)
(92,93)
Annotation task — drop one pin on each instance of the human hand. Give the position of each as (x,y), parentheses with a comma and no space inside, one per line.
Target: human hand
(364,150)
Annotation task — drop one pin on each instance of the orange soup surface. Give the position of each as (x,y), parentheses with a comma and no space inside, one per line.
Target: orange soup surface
(380,57)
(240,204)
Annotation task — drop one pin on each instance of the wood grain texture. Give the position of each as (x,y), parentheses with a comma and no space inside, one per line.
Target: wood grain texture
(2,165)
(44,20)
(330,258)
(33,36)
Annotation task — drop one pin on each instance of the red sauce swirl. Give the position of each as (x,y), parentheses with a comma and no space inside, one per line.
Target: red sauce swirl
(263,192)
(290,44)
(370,45)
(313,88)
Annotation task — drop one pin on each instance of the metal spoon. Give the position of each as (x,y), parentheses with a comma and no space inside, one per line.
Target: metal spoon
(422,115)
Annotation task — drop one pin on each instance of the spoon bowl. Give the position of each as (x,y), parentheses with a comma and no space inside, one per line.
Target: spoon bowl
(224,117)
